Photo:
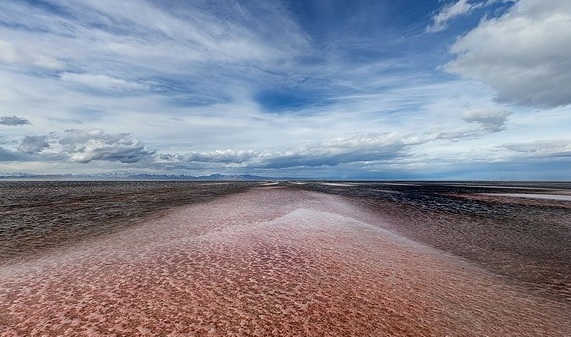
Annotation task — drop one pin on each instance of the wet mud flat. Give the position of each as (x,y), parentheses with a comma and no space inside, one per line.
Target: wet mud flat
(272,261)
(40,215)
(521,230)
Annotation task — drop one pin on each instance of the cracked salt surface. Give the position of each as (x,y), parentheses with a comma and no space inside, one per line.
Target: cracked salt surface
(271,262)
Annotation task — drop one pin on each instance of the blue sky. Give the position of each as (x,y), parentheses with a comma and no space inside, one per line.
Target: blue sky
(454,89)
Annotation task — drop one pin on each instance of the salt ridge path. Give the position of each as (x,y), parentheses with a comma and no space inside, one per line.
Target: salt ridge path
(270,262)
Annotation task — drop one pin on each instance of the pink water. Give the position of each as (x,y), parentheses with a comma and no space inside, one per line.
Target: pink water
(271,262)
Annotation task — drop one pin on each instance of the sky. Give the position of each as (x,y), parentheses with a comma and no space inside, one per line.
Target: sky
(337,89)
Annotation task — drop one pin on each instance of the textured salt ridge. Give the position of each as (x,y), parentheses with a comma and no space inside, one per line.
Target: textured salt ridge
(526,240)
(272,262)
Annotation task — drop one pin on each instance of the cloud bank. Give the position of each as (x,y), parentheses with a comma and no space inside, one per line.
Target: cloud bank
(86,146)
(523,54)
(33,144)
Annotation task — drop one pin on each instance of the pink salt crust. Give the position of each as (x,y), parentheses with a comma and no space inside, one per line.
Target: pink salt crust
(272,262)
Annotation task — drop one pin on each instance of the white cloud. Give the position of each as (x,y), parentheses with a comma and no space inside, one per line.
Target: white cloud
(449,12)
(357,148)
(221,156)
(8,54)
(524,55)
(344,150)
(86,146)
(26,55)
(101,82)
(157,35)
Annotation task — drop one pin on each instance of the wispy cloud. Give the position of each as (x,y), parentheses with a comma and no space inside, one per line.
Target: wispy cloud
(101,82)
(450,12)
(24,55)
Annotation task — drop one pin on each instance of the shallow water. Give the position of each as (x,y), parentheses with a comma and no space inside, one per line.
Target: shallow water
(275,262)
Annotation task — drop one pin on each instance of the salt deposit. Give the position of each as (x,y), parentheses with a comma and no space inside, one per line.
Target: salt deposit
(270,262)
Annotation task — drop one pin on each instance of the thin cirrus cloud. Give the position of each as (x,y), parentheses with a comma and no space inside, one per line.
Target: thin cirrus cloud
(450,12)
(367,89)
(101,82)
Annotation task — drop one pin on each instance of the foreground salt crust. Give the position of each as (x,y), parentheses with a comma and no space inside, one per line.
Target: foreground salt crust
(272,262)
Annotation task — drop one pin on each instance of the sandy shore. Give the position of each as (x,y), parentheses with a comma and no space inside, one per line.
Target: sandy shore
(270,262)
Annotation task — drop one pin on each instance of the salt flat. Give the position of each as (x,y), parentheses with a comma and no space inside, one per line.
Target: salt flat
(269,262)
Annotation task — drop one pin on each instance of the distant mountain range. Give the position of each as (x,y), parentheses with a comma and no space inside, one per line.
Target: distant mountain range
(131,176)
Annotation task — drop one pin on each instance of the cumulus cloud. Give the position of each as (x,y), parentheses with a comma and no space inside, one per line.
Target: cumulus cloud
(13,120)
(523,54)
(34,144)
(449,12)
(85,146)
(217,156)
